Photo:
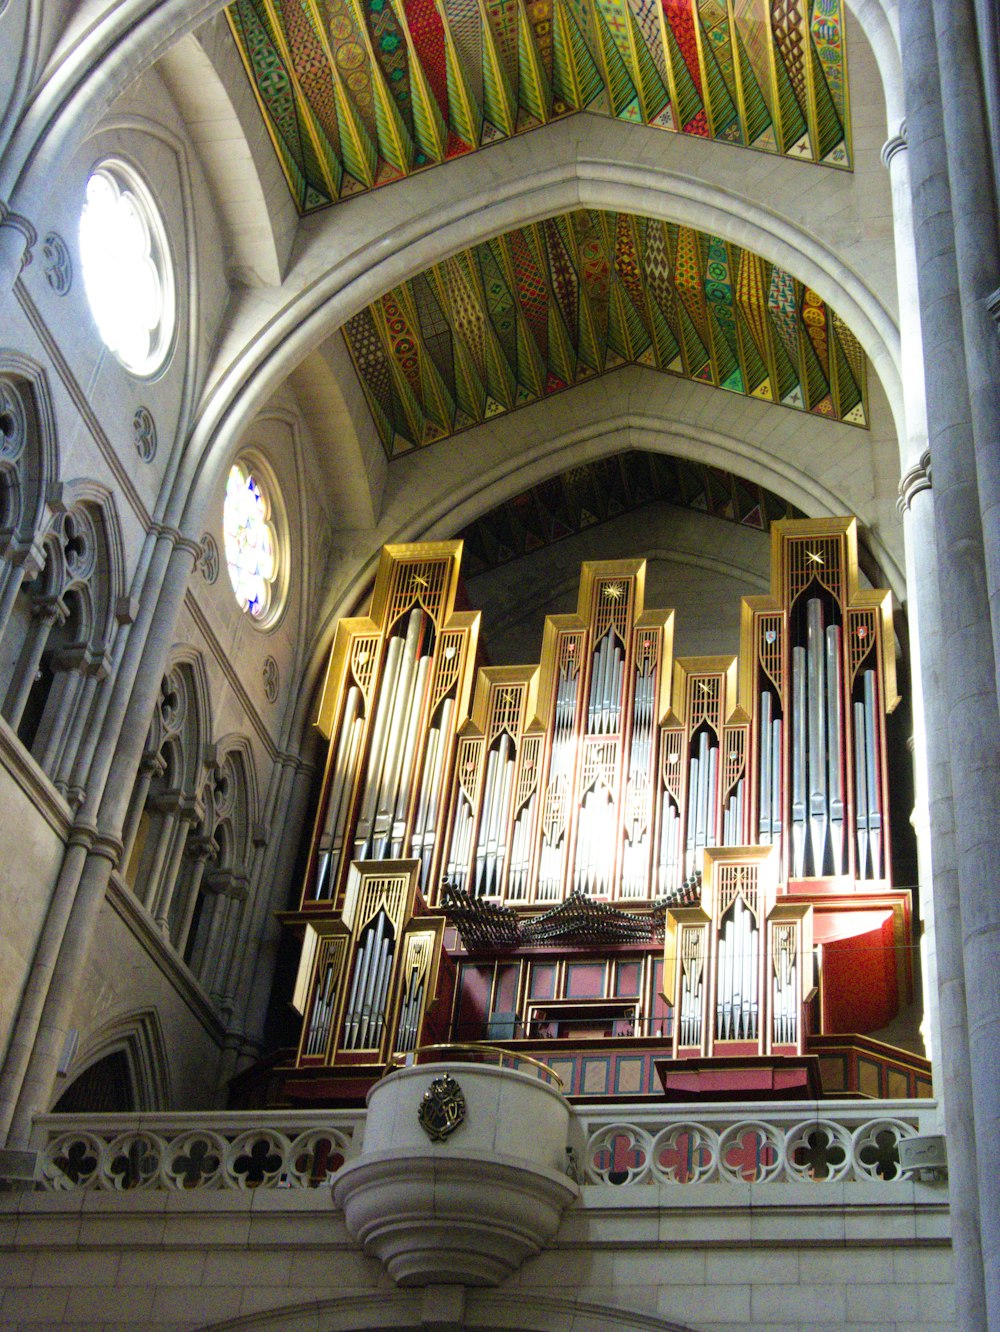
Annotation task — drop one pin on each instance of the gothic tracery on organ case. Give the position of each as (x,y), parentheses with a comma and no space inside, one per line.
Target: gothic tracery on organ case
(687,856)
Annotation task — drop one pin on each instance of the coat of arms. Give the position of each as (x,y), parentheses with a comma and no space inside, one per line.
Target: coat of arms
(442,1109)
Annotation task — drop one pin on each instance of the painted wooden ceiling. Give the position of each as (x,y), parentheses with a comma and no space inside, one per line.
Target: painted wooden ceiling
(600,491)
(358,93)
(548,306)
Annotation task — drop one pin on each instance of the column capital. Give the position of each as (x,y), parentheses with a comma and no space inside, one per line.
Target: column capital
(914,480)
(18,238)
(895,143)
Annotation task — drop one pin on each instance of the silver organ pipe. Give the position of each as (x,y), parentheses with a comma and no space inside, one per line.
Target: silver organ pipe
(635,855)
(732,829)
(359,982)
(737,1003)
(764,784)
(461,842)
(702,784)
(798,762)
(376,752)
(322,1011)
(784,989)
(692,978)
(491,845)
(365,1012)
(409,1013)
(407,768)
(834,706)
(396,757)
(873,776)
(441,736)
(816,688)
(339,799)
(867,782)
(670,826)
(776,784)
(560,772)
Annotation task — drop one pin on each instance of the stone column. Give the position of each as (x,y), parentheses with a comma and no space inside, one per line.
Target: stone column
(966,691)
(201,850)
(977,255)
(43,1015)
(45,614)
(150,766)
(939,875)
(168,879)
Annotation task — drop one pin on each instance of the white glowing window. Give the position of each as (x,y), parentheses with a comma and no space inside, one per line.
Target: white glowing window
(126,269)
(251,540)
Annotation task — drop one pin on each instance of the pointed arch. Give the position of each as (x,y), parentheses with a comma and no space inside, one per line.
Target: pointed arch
(138,1037)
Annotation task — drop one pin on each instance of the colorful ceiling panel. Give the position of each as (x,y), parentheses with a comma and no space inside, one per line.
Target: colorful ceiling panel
(358,93)
(553,304)
(599,491)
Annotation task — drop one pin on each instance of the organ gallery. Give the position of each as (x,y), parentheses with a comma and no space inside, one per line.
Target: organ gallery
(654,874)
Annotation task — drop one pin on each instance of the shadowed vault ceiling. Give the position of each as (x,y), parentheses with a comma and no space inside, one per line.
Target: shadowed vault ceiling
(600,491)
(358,93)
(547,306)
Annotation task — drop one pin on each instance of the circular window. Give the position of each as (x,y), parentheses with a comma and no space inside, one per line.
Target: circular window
(126,266)
(251,540)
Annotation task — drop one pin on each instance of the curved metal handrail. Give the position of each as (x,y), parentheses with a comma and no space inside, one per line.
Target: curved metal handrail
(480,1048)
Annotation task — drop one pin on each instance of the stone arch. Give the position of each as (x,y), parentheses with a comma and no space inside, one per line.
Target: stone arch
(212,897)
(29,462)
(267,355)
(138,1037)
(166,802)
(524,1311)
(67,617)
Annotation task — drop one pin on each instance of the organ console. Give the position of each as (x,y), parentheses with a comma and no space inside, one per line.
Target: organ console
(686,858)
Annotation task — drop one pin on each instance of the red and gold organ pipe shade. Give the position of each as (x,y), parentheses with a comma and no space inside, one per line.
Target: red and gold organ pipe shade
(724,819)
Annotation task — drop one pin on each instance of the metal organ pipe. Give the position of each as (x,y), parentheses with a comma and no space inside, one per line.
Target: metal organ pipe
(834,704)
(430,793)
(331,841)
(549,876)
(798,762)
(867,782)
(816,685)
(636,849)
(764,786)
(376,753)
(737,1003)
(491,847)
(395,756)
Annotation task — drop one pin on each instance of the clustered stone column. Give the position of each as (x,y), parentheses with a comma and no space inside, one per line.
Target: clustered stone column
(954,545)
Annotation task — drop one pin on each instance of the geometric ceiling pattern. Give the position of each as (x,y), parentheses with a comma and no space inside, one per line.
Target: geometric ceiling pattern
(597,492)
(358,93)
(547,306)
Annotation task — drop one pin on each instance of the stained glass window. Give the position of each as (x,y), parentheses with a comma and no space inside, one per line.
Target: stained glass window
(126,269)
(250,540)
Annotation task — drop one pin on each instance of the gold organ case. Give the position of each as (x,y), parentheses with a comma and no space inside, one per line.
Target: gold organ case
(613,844)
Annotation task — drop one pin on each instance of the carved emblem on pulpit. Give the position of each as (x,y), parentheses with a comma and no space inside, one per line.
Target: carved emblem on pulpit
(442,1109)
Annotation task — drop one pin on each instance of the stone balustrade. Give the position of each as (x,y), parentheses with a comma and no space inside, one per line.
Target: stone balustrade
(649,1144)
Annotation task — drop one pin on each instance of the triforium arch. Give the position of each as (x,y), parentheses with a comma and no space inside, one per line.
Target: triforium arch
(62,630)
(167,800)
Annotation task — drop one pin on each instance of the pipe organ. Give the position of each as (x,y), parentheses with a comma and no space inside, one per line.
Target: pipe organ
(723,820)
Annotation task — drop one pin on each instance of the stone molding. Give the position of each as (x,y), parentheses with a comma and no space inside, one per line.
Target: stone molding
(451,1220)
(896,143)
(913,481)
